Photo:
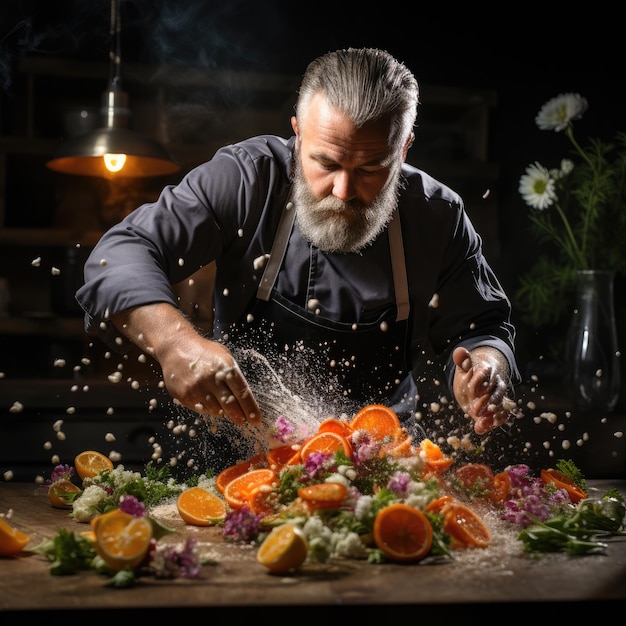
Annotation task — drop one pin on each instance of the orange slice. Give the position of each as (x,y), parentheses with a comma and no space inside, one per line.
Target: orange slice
(96,521)
(121,539)
(575,492)
(335,425)
(90,463)
(284,549)
(400,447)
(377,419)
(12,541)
(281,456)
(402,533)
(465,527)
(477,477)
(323,495)
(239,490)
(438,504)
(200,507)
(62,493)
(229,473)
(326,443)
(501,487)
(260,501)
(435,461)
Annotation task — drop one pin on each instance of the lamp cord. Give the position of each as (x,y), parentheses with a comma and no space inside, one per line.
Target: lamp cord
(115,53)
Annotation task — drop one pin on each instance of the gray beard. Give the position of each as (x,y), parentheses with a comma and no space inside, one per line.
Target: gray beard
(333,225)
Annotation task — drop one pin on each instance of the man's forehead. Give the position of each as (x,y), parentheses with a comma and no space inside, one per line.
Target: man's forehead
(326,129)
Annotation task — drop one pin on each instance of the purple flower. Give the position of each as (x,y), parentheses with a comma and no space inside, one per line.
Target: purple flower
(399,483)
(364,447)
(283,428)
(169,562)
(132,506)
(317,462)
(241,526)
(530,498)
(61,472)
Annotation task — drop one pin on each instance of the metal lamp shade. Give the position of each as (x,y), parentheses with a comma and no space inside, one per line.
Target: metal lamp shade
(84,155)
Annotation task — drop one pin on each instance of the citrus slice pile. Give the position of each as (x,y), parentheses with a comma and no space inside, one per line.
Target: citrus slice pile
(200,507)
(121,539)
(90,463)
(284,549)
(402,533)
(12,541)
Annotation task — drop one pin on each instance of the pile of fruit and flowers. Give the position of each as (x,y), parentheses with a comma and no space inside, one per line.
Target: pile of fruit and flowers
(354,489)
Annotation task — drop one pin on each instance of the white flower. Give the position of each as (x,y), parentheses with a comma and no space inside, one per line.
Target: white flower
(559,112)
(319,538)
(85,507)
(537,187)
(348,545)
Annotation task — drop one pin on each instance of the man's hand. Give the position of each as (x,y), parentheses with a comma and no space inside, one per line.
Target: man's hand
(481,380)
(199,373)
(203,375)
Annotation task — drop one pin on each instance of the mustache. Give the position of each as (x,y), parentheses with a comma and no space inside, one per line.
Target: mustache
(340,206)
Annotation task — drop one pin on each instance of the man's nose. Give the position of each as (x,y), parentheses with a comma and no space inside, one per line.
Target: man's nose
(343,186)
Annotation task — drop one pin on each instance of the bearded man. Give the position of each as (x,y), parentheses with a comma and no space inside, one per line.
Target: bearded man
(333,259)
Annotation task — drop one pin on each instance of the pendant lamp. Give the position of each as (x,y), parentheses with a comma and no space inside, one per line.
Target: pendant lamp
(113,150)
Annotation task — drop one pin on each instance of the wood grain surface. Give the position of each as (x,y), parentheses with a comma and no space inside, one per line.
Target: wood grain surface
(233,582)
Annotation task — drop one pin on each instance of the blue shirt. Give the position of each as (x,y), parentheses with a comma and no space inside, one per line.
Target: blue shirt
(227,210)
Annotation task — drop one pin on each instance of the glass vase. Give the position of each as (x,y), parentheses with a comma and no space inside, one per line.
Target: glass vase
(592,353)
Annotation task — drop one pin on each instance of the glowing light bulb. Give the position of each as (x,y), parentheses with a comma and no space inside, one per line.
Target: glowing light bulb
(114,162)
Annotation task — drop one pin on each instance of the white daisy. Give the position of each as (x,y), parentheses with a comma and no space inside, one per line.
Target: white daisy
(537,187)
(558,113)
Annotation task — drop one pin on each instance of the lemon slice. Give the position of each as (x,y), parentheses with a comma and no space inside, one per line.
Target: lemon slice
(283,550)
(121,539)
(12,541)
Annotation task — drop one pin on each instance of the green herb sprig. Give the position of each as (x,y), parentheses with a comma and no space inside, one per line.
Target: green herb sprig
(580,532)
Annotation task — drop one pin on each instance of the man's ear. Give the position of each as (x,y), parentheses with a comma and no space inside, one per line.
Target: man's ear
(407,145)
(294,125)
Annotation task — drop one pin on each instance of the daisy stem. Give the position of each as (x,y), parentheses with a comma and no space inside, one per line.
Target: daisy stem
(595,170)
(578,256)
(569,131)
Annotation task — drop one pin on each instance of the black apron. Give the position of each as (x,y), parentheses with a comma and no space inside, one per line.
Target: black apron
(350,365)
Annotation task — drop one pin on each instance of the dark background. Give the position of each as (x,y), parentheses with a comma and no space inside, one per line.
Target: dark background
(526,55)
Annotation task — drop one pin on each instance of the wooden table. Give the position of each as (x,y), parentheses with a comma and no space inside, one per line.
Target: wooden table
(236,584)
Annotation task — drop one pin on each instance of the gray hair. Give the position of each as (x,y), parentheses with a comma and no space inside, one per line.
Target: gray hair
(365,84)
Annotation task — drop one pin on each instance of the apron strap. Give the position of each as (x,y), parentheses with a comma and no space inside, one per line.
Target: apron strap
(279,247)
(277,254)
(398,266)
